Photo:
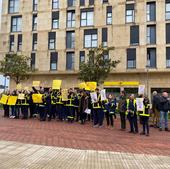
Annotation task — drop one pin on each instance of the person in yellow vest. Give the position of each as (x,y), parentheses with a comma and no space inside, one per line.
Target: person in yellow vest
(25,105)
(98,114)
(60,107)
(145,116)
(70,106)
(5,106)
(131,111)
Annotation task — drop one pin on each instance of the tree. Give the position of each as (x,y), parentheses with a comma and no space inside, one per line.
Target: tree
(97,67)
(15,66)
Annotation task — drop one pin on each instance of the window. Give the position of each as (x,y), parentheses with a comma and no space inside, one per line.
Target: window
(167,10)
(32,61)
(51,40)
(13,6)
(168,33)
(11,43)
(34,22)
(130,13)
(55,4)
(34,42)
(90,38)
(19,46)
(70,40)
(105,55)
(91,2)
(53,60)
(105,1)
(71,19)
(151,57)
(104,37)
(87,17)
(71,3)
(168,57)
(82,2)
(151,34)
(35,5)
(131,58)
(16,24)
(151,11)
(109,15)
(82,57)
(55,20)
(70,61)
(134,35)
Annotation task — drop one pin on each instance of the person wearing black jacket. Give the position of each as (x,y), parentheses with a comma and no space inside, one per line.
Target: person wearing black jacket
(164,108)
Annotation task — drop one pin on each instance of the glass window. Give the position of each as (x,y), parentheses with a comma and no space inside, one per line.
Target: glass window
(167,10)
(51,40)
(70,39)
(151,57)
(34,42)
(131,58)
(55,20)
(13,6)
(16,23)
(71,19)
(71,3)
(53,60)
(34,23)
(151,34)
(11,43)
(70,61)
(90,38)
(168,57)
(87,18)
(33,55)
(134,35)
(35,5)
(151,11)
(19,47)
(130,13)
(55,4)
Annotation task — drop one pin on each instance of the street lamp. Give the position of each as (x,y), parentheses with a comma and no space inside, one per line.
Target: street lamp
(147,79)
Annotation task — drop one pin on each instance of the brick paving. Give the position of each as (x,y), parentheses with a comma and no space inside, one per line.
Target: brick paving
(15,155)
(84,137)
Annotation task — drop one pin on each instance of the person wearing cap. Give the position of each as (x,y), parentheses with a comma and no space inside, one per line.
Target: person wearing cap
(131,111)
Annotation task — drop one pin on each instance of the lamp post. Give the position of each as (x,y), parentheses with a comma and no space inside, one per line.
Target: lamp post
(147,79)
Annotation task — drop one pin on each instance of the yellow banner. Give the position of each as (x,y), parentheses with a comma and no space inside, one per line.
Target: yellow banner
(36,83)
(56,84)
(21,96)
(4,99)
(64,94)
(19,87)
(91,85)
(37,98)
(82,85)
(12,100)
(122,83)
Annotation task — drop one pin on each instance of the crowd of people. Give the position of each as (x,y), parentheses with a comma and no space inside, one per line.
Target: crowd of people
(78,107)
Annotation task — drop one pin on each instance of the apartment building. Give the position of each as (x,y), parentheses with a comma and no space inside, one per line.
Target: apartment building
(57,35)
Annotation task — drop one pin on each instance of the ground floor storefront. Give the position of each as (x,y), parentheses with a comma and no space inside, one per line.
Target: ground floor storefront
(114,83)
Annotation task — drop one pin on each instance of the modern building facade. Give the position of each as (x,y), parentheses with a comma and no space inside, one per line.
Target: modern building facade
(57,35)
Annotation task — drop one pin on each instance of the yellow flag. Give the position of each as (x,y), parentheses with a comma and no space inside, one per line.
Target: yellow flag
(82,85)
(91,85)
(19,86)
(37,98)
(4,99)
(12,100)
(36,83)
(56,84)
(64,94)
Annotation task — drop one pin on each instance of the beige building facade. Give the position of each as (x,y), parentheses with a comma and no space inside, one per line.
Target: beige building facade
(57,34)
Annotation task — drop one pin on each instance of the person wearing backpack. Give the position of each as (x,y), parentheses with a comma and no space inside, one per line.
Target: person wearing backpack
(164,108)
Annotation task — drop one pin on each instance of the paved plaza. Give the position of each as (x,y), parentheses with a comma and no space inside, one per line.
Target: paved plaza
(60,145)
(24,156)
